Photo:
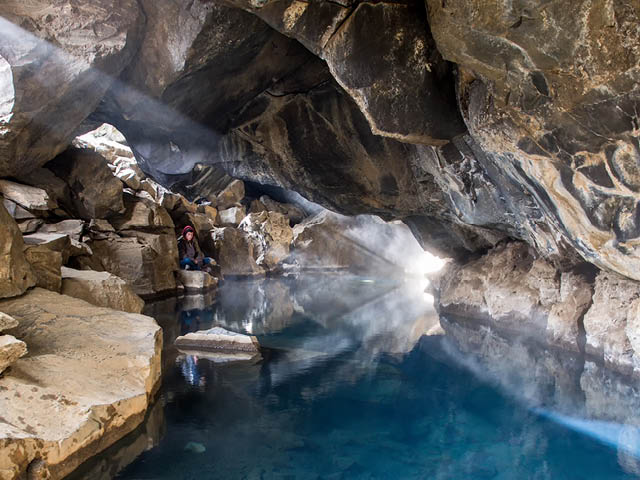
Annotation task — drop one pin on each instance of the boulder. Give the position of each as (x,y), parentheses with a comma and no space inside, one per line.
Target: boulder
(234,252)
(95,192)
(73,228)
(256,206)
(108,142)
(231,195)
(146,261)
(16,211)
(58,242)
(293,213)
(209,211)
(218,338)
(7,322)
(231,217)
(142,214)
(196,281)
(96,368)
(56,188)
(15,272)
(612,324)
(100,288)
(271,236)
(31,198)
(46,265)
(11,349)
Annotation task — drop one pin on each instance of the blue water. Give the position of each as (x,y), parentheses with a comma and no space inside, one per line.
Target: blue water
(347,391)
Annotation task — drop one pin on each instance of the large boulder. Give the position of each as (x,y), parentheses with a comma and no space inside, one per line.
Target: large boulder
(235,252)
(96,368)
(95,192)
(46,265)
(100,288)
(55,66)
(271,236)
(146,261)
(15,272)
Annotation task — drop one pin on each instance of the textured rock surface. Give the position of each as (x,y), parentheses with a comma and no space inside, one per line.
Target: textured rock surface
(15,272)
(96,368)
(234,252)
(102,289)
(218,338)
(46,264)
(7,322)
(11,349)
(31,198)
(271,236)
(232,194)
(196,281)
(231,217)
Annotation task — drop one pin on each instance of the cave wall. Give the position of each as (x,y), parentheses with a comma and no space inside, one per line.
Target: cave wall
(472,122)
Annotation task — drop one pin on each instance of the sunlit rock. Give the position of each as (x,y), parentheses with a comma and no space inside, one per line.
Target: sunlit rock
(95,192)
(235,252)
(231,217)
(271,236)
(96,368)
(102,289)
(46,264)
(55,66)
(15,272)
(11,349)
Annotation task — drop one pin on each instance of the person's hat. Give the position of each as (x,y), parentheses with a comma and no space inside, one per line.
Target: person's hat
(186,229)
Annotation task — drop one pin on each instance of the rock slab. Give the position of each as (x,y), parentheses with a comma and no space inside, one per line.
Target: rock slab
(218,338)
(96,368)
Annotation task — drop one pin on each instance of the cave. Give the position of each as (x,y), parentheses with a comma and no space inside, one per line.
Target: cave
(417,229)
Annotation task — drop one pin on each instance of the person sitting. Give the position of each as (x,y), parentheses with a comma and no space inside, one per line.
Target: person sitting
(191,257)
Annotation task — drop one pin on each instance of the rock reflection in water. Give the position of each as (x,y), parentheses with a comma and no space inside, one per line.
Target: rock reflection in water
(556,384)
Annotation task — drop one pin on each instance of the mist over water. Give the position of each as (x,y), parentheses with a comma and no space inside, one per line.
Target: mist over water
(350,388)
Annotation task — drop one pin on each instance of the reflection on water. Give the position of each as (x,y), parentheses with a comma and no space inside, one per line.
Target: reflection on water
(349,388)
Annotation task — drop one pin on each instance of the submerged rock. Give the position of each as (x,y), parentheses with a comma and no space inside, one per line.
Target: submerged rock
(195,447)
(96,368)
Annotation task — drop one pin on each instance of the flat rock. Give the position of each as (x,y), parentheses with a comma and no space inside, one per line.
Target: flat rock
(196,281)
(31,198)
(218,338)
(96,368)
(102,289)
(7,322)
(71,227)
(11,349)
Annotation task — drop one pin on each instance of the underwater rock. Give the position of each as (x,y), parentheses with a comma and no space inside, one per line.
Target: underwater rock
(195,447)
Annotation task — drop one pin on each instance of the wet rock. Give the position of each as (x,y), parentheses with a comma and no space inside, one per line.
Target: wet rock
(11,349)
(67,338)
(95,192)
(146,261)
(82,46)
(234,252)
(612,323)
(46,264)
(7,322)
(231,195)
(231,217)
(30,198)
(196,281)
(15,272)
(271,236)
(513,290)
(102,289)
(218,338)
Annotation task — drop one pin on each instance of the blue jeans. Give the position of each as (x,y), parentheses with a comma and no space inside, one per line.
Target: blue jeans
(192,264)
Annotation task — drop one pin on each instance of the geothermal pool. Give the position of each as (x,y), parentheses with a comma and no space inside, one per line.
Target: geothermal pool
(348,390)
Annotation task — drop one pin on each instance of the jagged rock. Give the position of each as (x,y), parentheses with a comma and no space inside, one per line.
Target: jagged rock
(100,225)
(231,217)
(144,214)
(196,281)
(46,264)
(512,290)
(31,198)
(293,213)
(209,211)
(73,228)
(95,192)
(612,324)
(218,338)
(30,226)
(7,322)
(58,242)
(271,236)
(15,272)
(16,211)
(145,261)
(62,60)
(108,143)
(56,188)
(234,252)
(96,368)
(11,349)
(100,288)
(231,195)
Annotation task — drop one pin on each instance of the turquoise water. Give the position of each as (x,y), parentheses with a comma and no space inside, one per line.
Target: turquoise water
(347,391)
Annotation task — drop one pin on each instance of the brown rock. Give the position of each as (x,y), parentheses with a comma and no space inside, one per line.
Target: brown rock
(31,198)
(231,217)
(46,264)
(11,349)
(102,289)
(235,252)
(196,281)
(143,214)
(58,242)
(15,272)
(231,195)
(271,236)
(7,322)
